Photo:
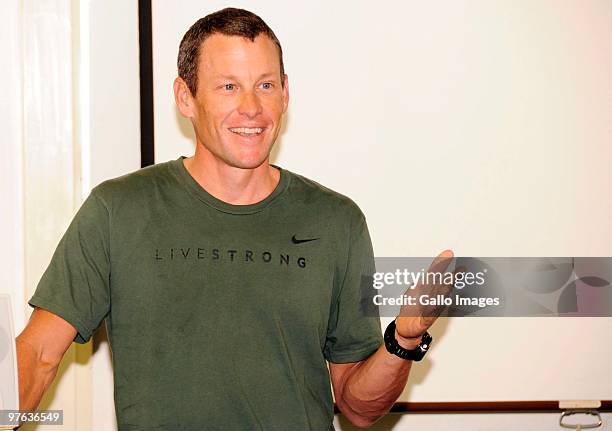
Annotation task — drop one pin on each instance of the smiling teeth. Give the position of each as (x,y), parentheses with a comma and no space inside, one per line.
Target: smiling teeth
(247,130)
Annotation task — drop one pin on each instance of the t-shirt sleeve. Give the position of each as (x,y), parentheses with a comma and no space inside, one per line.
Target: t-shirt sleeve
(354,331)
(75,285)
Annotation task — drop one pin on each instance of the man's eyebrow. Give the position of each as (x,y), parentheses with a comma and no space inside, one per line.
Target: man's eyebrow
(235,78)
(268,75)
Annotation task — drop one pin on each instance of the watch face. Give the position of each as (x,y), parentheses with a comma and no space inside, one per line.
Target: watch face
(425,341)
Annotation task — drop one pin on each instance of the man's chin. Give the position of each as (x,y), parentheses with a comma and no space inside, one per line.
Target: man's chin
(250,159)
(242,158)
(250,162)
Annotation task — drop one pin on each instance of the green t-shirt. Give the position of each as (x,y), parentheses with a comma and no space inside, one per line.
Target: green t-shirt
(220,316)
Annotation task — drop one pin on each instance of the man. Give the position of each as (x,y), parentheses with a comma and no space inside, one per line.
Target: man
(227,283)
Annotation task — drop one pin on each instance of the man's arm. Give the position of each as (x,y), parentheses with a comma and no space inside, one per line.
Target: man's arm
(40,348)
(366,390)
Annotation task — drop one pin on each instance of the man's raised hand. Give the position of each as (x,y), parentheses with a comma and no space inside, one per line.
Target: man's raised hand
(414,320)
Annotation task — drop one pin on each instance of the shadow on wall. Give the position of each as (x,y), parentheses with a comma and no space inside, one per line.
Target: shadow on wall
(100,340)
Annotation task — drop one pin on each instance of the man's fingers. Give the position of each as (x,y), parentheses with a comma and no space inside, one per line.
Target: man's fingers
(446,288)
(441,262)
(427,297)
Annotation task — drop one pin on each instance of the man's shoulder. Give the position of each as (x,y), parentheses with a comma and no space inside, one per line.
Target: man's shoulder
(315,195)
(134,184)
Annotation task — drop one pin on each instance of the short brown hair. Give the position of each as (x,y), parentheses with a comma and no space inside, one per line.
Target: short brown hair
(230,22)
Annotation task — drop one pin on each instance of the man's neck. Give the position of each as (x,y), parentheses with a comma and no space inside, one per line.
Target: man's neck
(230,184)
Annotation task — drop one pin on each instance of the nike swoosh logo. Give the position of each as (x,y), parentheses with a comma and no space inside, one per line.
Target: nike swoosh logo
(300,241)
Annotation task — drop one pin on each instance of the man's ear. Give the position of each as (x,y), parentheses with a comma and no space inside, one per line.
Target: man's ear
(285,92)
(183,98)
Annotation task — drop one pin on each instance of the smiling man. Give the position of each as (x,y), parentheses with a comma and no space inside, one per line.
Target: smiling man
(228,284)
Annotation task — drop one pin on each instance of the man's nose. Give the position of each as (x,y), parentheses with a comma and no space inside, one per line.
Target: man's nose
(250,105)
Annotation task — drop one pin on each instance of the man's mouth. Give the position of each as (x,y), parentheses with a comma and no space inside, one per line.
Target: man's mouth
(247,131)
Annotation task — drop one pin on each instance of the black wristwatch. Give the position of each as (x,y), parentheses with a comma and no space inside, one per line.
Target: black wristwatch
(394,348)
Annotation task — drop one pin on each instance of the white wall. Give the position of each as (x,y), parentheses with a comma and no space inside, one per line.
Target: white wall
(11,163)
(38,167)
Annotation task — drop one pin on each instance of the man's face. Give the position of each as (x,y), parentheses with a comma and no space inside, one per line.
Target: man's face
(240,99)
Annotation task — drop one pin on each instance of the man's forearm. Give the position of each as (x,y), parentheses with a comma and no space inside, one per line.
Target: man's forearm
(375,384)
(35,375)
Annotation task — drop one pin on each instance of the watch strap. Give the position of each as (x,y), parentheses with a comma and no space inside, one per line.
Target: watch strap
(394,347)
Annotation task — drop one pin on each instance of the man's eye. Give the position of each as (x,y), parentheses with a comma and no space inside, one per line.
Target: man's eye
(266,85)
(229,87)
